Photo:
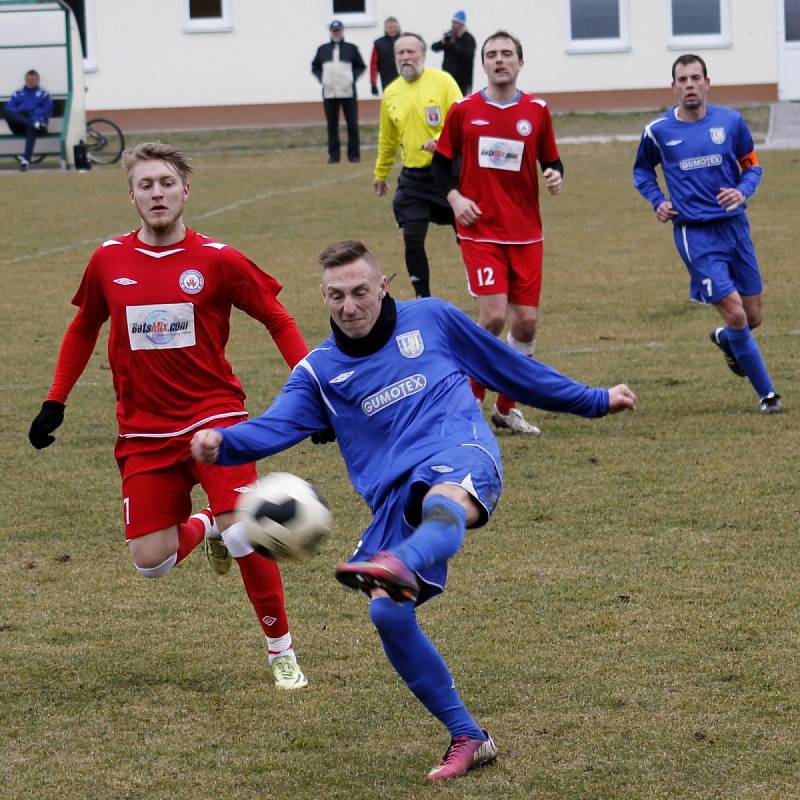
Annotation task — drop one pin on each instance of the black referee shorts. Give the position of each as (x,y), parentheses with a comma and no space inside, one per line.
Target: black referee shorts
(418,198)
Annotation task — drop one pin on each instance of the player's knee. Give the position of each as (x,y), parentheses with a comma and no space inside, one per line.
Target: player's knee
(147,569)
(754,319)
(493,322)
(391,619)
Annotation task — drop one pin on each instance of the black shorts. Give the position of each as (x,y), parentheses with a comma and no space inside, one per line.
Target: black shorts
(418,198)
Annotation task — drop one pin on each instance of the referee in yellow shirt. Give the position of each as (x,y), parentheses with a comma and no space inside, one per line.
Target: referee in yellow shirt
(412,116)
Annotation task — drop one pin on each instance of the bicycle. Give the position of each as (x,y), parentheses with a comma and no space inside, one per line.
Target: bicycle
(104,142)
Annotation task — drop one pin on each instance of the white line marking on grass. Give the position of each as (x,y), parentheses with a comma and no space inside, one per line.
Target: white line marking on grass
(278,193)
(215,212)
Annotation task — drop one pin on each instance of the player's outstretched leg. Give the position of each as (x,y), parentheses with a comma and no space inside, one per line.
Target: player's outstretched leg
(438,538)
(424,671)
(262,581)
(747,355)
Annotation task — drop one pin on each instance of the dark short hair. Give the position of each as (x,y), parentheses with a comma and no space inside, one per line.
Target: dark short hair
(32,72)
(689,58)
(502,35)
(339,254)
(416,36)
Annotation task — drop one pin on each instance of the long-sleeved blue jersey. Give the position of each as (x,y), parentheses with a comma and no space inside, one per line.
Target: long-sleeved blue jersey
(406,402)
(697,159)
(35,102)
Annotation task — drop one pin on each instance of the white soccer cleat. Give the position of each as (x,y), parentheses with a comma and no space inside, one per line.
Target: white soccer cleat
(287,673)
(514,421)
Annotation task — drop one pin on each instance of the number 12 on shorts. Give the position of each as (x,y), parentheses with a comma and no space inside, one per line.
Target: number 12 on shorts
(485,276)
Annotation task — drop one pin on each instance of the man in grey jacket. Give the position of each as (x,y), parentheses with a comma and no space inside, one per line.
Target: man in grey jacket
(337,66)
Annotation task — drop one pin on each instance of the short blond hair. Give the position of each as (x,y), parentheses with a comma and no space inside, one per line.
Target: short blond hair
(157,151)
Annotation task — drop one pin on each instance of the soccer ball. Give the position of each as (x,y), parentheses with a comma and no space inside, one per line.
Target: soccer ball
(285,517)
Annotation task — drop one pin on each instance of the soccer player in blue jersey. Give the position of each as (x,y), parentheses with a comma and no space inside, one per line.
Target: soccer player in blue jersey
(710,168)
(392,383)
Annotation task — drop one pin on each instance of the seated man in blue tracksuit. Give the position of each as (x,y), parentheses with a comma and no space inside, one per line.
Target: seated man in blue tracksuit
(392,384)
(27,113)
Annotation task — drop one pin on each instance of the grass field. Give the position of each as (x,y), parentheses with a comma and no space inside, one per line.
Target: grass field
(626,627)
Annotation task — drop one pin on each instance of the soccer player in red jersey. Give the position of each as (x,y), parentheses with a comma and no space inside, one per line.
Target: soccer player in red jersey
(500,133)
(168,291)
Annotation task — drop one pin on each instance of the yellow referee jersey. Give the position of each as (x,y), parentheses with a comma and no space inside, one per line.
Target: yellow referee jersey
(412,114)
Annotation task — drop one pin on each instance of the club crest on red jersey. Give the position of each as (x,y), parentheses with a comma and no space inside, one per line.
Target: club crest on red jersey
(433,116)
(717,135)
(410,344)
(191,281)
(524,127)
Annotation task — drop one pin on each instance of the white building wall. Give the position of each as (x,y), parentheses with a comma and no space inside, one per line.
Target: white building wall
(144,58)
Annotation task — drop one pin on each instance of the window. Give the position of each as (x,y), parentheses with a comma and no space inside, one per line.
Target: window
(353,13)
(699,23)
(208,16)
(597,26)
(791,18)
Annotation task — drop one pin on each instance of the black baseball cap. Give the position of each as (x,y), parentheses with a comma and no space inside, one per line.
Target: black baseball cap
(336,25)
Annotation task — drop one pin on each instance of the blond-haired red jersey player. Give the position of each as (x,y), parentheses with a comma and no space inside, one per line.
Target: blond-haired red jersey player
(501,133)
(168,292)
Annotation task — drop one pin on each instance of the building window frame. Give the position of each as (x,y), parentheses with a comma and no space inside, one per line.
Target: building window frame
(699,41)
(611,44)
(354,19)
(221,24)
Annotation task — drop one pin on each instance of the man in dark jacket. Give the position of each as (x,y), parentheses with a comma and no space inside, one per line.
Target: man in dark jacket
(337,66)
(27,113)
(382,61)
(458,45)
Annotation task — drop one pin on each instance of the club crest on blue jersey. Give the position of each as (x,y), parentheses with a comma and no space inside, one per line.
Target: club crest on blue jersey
(410,344)
(191,281)
(524,127)
(717,135)
(433,116)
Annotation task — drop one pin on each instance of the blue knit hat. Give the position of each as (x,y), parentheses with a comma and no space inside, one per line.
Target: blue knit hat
(461,17)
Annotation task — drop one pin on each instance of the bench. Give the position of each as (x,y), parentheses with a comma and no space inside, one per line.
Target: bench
(47,144)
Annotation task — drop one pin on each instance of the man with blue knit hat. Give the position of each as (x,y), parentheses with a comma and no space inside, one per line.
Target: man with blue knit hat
(27,113)
(458,45)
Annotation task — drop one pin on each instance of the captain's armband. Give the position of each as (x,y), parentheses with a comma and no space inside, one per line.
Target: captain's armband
(749,160)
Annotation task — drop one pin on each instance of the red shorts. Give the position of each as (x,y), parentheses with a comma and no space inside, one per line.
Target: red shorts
(514,270)
(157,480)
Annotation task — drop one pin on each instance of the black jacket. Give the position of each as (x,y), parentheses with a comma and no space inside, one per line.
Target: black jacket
(383,60)
(348,54)
(459,55)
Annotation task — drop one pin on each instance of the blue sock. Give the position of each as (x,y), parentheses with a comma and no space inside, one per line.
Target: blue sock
(439,535)
(745,350)
(419,664)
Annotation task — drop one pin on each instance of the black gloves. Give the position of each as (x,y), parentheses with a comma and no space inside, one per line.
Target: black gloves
(375,91)
(323,437)
(45,422)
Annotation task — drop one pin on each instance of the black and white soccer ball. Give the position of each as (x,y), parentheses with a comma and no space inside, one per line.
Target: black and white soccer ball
(286,519)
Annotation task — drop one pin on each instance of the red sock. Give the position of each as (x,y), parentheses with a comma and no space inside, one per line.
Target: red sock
(190,534)
(262,581)
(505,404)
(478,390)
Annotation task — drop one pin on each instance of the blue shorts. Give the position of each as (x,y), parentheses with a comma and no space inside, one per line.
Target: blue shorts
(400,513)
(720,258)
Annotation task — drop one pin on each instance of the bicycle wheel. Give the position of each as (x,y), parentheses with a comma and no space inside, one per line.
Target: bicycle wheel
(104,141)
